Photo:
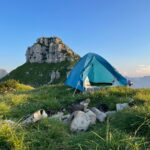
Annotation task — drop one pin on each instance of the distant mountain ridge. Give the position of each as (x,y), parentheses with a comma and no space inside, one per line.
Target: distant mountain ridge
(140,82)
(48,61)
(3,73)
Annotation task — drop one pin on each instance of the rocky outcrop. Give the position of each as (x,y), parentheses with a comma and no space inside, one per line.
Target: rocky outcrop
(55,75)
(49,50)
(2,73)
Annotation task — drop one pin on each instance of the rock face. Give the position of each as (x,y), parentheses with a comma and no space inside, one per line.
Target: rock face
(54,76)
(2,73)
(49,50)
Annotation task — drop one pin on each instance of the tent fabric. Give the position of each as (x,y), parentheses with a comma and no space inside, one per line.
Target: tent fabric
(97,69)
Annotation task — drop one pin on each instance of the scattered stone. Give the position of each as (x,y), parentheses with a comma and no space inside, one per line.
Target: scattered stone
(80,121)
(110,113)
(123,106)
(91,115)
(38,115)
(85,103)
(57,116)
(99,115)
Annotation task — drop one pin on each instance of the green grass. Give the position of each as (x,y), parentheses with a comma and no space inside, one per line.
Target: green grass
(128,129)
(37,74)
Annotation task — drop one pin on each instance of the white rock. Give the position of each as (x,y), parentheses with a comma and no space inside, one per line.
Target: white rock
(57,75)
(80,122)
(57,116)
(110,113)
(91,115)
(85,103)
(123,106)
(38,115)
(100,116)
(53,75)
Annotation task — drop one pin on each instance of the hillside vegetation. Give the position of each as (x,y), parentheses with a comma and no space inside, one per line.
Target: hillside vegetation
(37,74)
(126,130)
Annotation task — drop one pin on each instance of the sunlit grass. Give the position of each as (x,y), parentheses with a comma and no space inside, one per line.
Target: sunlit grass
(128,129)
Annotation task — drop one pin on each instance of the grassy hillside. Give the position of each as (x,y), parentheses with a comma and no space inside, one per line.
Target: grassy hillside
(37,74)
(128,129)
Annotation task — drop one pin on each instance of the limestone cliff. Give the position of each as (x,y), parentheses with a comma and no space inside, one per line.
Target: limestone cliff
(49,50)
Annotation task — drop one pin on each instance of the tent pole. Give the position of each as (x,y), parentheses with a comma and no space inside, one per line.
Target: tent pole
(75,89)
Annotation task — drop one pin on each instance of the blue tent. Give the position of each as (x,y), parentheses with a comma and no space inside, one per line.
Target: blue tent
(97,70)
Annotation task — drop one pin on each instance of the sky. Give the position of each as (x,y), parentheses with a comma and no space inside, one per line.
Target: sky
(118,30)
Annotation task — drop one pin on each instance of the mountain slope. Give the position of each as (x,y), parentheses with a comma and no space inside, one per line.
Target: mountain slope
(37,74)
(47,61)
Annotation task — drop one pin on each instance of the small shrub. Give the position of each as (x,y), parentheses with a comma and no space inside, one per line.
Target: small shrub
(12,85)
(7,86)
(10,139)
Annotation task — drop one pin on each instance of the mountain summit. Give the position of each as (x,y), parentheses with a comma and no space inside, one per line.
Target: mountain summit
(49,50)
(48,61)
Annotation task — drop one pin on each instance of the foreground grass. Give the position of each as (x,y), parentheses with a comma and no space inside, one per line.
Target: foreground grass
(129,129)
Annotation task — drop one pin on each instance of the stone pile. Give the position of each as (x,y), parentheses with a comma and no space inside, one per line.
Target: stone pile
(81,117)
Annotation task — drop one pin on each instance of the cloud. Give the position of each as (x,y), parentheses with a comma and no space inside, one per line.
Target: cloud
(141,65)
(143,70)
(138,71)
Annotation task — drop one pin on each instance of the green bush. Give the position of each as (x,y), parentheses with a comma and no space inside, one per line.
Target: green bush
(7,86)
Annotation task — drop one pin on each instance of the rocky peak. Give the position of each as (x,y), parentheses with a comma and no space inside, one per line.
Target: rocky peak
(2,73)
(49,50)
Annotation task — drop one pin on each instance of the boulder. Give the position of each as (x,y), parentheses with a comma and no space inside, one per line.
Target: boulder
(80,121)
(91,115)
(100,116)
